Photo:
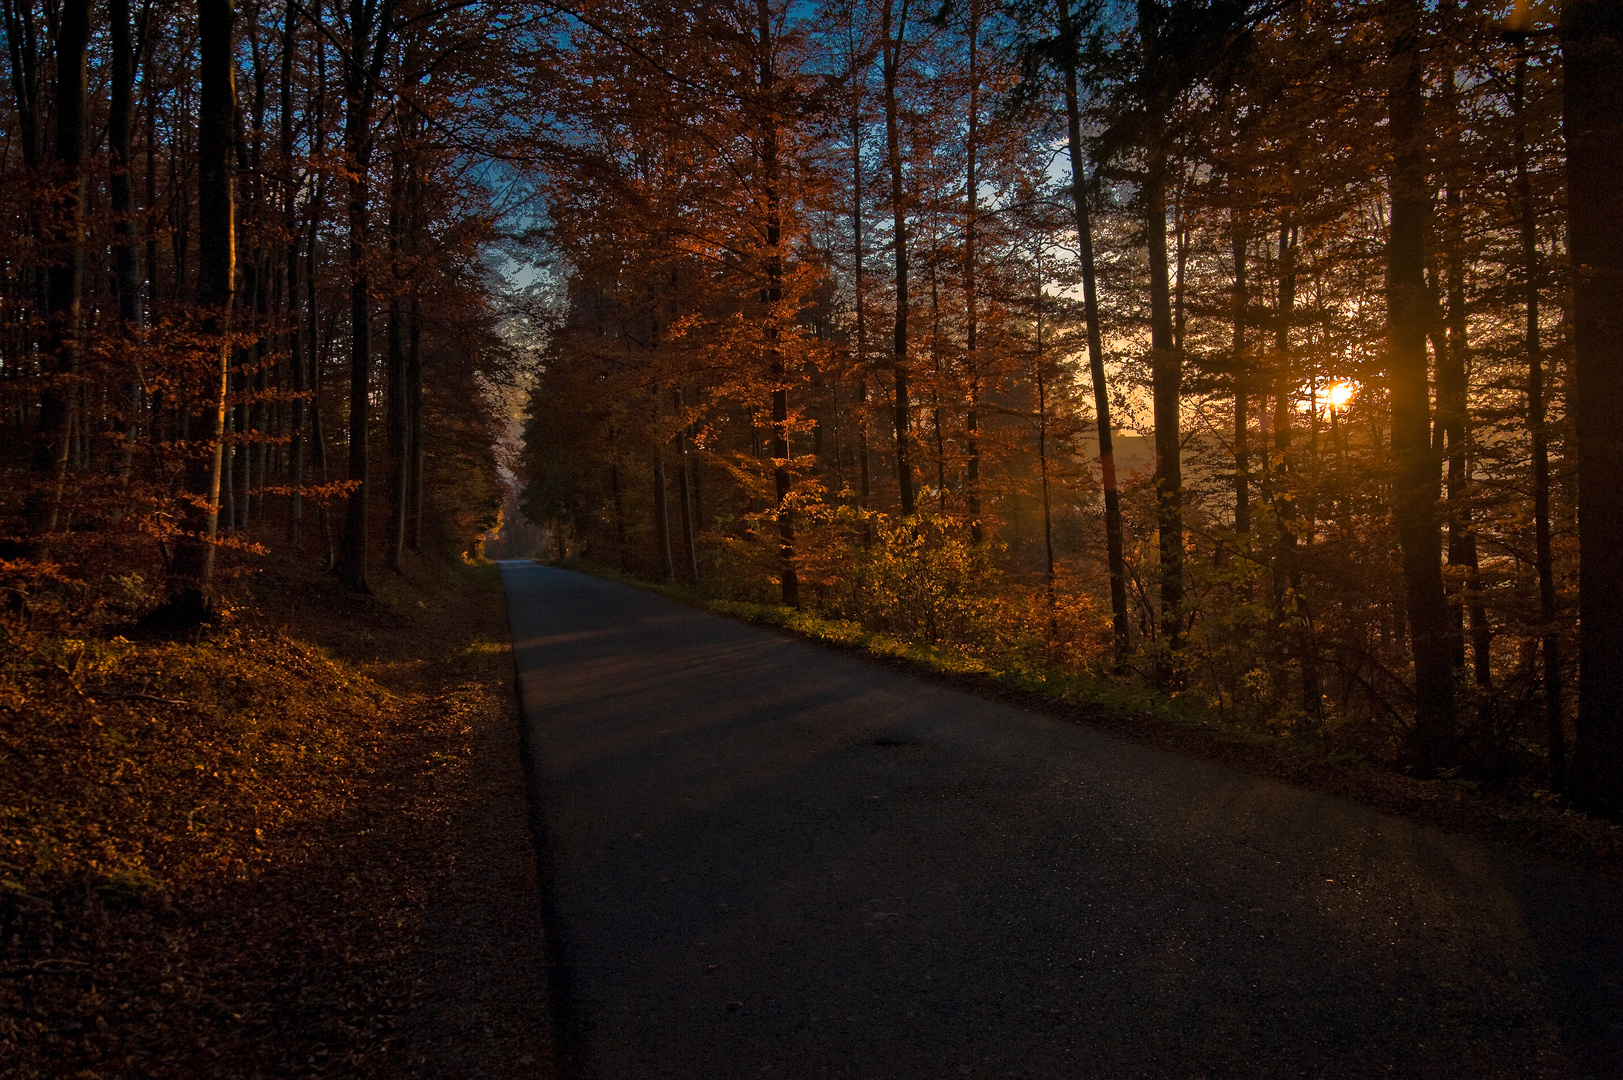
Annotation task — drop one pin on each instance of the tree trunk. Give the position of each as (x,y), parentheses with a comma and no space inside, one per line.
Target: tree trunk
(1415,487)
(1167,378)
(972,194)
(121,190)
(414,410)
(193,563)
(290,225)
(864,477)
(684,486)
(771,297)
(1242,376)
(1592,50)
(662,512)
(64,241)
(397,420)
(894,37)
(366,42)
(1543,557)
(1114,550)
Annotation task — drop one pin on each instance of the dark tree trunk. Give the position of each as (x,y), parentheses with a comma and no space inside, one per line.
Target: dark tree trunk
(367,48)
(121,189)
(684,487)
(662,513)
(894,36)
(193,563)
(1453,401)
(864,477)
(290,225)
(1242,383)
(414,409)
(1114,549)
(1543,558)
(64,243)
(972,480)
(397,421)
(1167,376)
(1592,50)
(1416,484)
(771,297)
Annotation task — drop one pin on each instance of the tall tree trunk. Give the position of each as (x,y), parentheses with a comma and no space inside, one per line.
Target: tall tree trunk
(1167,378)
(684,486)
(65,244)
(1242,383)
(772,297)
(1042,455)
(972,195)
(1453,398)
(1114,550)
(367,48)
(893,38)
(121,189)
(397,421)
(864,476)
(662,511)
(414,409)
(290,226)
(1543,557)
(1592,50)
(1416,484)
(193,563)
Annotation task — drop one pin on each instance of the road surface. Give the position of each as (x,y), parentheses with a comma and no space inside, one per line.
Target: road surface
(763,858)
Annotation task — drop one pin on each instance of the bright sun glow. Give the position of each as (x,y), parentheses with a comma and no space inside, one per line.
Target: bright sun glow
(1341,393)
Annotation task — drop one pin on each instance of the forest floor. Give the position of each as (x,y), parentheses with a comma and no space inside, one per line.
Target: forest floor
(294,845)
(1512,813)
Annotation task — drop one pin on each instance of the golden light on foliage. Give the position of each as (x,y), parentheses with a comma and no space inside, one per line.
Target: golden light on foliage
(1341,393)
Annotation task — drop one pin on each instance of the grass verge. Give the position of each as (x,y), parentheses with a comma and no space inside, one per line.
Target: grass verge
(1184,726)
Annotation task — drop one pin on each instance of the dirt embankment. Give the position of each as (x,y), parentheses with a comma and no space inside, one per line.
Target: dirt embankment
(294,845)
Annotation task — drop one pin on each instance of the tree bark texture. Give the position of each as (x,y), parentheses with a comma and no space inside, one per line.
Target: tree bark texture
(1415,487)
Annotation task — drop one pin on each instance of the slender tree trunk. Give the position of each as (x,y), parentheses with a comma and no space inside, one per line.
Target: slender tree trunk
(290,225)
(121,189)
(193,563)
(1543,558)
(1453,399)
(1242,380)
(893,39)
(367,47)
(1114,549)
(684,475)
(65,243)
(771,298)
(1042,454)
(414,410)
(972,195)
(1592,51)
(1167,376)
(864,476)
(397,420)
(1416,485)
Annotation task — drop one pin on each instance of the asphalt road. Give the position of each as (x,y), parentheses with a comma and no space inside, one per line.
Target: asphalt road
(766,859)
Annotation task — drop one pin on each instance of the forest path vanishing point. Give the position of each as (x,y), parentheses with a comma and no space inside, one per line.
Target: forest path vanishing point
(767,859)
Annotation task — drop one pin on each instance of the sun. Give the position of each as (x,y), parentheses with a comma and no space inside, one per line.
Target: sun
(1341,393)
